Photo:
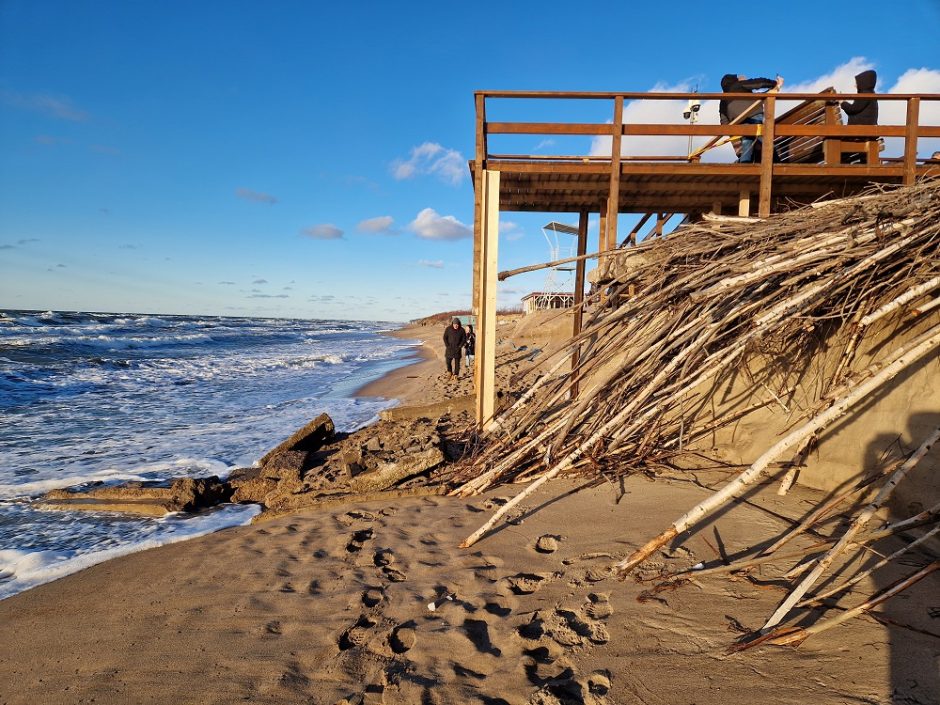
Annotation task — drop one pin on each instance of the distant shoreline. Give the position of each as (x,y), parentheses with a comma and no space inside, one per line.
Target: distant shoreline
(405,383)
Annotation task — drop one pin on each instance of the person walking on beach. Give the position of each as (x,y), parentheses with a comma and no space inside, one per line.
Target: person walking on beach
(471,347)
(454,340)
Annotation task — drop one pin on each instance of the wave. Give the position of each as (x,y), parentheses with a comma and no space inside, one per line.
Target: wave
(23,569)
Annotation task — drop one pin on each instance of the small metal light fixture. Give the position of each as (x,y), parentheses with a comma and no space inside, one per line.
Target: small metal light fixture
(691,114)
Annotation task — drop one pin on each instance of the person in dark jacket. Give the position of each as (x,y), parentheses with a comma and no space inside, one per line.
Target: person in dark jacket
(454,340)
(730,110)
(470,346)
(861,112)
(865,111)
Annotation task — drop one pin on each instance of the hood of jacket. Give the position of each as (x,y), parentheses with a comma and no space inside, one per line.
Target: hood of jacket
(727,81)
(865,81)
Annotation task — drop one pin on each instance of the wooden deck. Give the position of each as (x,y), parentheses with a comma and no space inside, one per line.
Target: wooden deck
(620,182)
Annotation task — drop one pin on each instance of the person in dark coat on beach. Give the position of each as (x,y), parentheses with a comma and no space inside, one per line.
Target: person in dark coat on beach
(470,346)
(730,109)
(454,340)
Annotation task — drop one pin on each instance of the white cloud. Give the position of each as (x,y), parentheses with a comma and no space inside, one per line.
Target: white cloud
(377,226)
(432,263)
(510,230)
(544,144)
(432,226)
(323,231)
(431,158)
(893,112)
(246,194)
(54,106)
(260,281)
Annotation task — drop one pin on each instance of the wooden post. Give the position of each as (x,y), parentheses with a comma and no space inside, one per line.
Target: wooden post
(578,296)
(716,207)
(604,241)
(486,317)
(910,141)
(661,219)
(744,203)
(478,166)
(767,158)
(631,239)
(832,146)
(613,199)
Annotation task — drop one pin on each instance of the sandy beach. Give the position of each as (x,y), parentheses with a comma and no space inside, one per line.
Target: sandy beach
(375,603)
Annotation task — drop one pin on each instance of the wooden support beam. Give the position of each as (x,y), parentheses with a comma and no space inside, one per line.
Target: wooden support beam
(605,242)
(767,158)
(661,219)
(716,207)
(478,166)
(744,203)
(910,141)
(486,317)
(631,238)
(578,297)
(613,198)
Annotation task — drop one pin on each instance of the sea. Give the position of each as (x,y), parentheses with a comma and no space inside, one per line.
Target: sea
(105,398)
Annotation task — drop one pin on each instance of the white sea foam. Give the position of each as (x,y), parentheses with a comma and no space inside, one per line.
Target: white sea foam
(21,570)
(123,397)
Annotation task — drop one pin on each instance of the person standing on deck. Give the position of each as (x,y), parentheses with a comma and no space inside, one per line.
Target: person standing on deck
(865,111)
(470,346)
(454,340)
(730,110)
(861,112)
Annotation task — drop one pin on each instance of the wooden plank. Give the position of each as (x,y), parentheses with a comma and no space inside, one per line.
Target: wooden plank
(604,242)
(478,166)
(578,297)
(744,203)
(910,141)
(547,128)
(486,319)
(634,95)
(767,159)
(613,197)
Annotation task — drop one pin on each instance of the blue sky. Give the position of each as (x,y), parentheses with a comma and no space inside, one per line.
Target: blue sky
(308,159)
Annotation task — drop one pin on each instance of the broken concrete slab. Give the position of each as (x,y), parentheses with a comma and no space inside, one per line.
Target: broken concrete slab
(309,438)
(389,474)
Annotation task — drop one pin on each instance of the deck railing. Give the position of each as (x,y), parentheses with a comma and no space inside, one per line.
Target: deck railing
(905,166)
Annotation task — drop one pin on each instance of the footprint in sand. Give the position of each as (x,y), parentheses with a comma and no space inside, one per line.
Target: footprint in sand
(547,543)
(313,587)
(403,637)
(358,539)
(383,557)
(357,634)
(598,606)
(599,682)
(393,574)
(525,583)
(372,596)
(497,609)
(350,518)
(273,627)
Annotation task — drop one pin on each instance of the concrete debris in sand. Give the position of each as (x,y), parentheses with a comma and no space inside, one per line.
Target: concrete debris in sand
(314,465)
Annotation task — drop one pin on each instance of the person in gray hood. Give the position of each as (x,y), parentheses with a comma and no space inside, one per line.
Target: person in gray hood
(863,111)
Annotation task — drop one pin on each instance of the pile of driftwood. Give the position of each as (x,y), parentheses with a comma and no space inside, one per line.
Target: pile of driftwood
(705,301)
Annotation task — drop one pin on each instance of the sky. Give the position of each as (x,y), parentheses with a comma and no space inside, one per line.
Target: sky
(309,159)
